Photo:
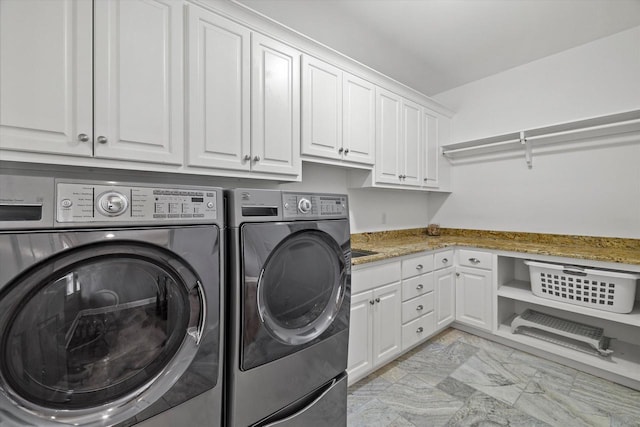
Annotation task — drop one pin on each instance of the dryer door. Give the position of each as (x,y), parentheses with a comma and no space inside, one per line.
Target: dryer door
(96,326)
(296,281)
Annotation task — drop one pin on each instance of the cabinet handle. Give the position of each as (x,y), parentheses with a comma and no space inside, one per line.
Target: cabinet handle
(419,287)
(346,151)
(444,260)
(377,299)
(426,179)
(420,307)
(83,137)
(420,329)
(340,150)
(371,302)
(102,140)
(247,157)
(256,159)
(474,260)
(419,267)
(457,274)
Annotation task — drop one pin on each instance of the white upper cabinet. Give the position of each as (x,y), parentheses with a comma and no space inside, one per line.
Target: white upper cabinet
(218,108)
(321,109)
(358,119)
(412,143)
(431,150)
(46,76)
(338,114)
(275,102)
(388,136)
(138,80)
(89,78)
(399,140)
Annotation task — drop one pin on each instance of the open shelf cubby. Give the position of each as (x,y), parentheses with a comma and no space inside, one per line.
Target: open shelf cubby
(514,296)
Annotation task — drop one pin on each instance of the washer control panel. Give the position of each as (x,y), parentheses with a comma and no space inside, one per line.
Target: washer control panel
(80,202)
(314,205)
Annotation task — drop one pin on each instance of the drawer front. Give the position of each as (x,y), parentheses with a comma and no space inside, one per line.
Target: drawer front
(371,276)
(417,265)
(475,259)
(418,330)
(417,307)
(442,260)
(417,286)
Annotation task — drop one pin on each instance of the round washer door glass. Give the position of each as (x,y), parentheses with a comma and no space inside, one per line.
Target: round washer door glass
(301,287)
(97,329)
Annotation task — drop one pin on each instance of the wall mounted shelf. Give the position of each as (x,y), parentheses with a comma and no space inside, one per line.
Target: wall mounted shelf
(596,127)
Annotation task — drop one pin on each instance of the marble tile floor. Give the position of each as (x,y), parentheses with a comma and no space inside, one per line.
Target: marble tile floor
(459,379)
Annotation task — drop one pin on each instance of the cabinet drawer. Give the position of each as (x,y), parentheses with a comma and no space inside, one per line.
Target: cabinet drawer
(372,276)
(418,330)
(417,265)
(417,307)
(416,286)
(474,259)
(443,259)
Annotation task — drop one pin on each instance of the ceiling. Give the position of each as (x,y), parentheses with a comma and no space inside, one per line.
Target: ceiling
(436,45)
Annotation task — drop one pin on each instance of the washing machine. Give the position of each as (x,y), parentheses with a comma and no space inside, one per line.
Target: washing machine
(290,285)
(110,303)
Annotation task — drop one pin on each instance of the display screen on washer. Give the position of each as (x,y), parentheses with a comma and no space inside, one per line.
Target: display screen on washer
(97,329)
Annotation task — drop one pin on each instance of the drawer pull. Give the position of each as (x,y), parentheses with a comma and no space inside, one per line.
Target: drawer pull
(371,302)
(419,267)
(445,260)
(420,329)
(377,299)
(419,287)
(474,260)
(420,307)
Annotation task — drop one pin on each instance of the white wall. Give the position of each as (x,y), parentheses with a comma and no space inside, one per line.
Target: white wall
(594,190)
(371,209)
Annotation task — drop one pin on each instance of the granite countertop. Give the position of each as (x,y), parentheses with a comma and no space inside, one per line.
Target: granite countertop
(391,244)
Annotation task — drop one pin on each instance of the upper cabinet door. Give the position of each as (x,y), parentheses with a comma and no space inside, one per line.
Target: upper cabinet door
(388,136)
(321,109)
(46,76)
(219,79)
(138,80)
(359,120)
(431,148)
(275,102)
(411,143)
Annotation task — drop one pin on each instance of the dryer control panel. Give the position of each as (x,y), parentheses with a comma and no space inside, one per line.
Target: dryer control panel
(101,202)
(298,205)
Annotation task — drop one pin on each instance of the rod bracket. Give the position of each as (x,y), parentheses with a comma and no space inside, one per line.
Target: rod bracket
(527,150)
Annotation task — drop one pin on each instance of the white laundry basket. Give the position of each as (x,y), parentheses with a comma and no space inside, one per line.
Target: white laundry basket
(601,289)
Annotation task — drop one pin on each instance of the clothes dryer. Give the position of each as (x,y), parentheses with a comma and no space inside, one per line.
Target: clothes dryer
(290,277)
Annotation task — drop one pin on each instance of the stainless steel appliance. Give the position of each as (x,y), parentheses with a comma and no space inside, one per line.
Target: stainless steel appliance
(110,303)
(290,284)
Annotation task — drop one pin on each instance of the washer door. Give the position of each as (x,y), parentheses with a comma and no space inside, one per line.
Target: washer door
(98,325)
(299,291)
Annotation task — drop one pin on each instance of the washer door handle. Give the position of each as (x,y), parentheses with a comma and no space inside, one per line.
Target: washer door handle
(198,332)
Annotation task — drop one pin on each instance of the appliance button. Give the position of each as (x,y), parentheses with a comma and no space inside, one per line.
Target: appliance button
(66,203)
(304,206)
(210,205)
(112,203)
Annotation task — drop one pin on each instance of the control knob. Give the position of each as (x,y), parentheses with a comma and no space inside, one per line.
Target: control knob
(112,203)
(304,206)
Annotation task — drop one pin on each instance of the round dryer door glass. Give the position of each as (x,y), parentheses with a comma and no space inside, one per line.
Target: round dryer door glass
(301,287)
(97,329)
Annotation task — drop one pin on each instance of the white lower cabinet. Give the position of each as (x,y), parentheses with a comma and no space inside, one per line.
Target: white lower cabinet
(386,323)
(375,326)
(418,300)
(444,283)
(360,336)
(474,296)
